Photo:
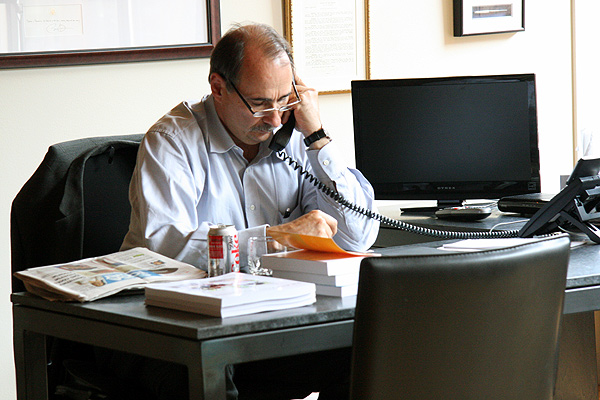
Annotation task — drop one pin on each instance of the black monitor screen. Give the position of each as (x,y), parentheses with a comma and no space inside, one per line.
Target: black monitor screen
(452,138)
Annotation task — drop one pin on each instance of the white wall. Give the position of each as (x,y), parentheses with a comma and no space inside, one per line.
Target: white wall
(42,106)
(587,85)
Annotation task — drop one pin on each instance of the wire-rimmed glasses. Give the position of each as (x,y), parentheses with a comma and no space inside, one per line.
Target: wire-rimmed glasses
(266,111)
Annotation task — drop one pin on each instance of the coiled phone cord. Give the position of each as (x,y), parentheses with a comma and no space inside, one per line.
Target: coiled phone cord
(338,198)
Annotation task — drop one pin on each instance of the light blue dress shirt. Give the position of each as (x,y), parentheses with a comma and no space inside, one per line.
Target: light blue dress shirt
(190,175)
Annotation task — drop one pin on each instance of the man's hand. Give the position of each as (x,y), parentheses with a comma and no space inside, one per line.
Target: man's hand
(314,223)
(308,119)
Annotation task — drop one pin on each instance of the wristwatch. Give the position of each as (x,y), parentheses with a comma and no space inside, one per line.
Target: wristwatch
(313,137)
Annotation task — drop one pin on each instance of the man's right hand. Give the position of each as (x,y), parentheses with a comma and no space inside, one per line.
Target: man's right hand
(314,223)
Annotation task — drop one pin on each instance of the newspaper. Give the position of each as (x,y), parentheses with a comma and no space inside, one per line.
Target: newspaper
(93,278)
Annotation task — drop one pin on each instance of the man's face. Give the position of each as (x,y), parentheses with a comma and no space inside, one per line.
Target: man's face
(264,84)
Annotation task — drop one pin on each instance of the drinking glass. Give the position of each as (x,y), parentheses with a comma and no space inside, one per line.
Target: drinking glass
(258,246)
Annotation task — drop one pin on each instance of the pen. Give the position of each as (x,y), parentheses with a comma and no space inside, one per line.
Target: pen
(287,213)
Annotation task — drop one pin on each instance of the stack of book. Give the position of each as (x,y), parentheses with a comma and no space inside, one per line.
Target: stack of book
(321,261)
(334,274)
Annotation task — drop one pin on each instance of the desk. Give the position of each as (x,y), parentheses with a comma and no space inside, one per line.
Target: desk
(205,345)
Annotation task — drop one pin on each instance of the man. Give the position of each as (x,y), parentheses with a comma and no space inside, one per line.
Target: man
(208,162)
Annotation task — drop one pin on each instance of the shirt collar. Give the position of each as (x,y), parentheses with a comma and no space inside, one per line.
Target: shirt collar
(219,140)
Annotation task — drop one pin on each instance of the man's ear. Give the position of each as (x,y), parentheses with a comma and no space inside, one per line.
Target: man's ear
(217,85)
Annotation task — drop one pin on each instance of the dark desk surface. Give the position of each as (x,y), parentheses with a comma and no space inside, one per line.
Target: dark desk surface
(584,268)
(391,237)
(583,284)
(428,219)
(584,264)
(129,310)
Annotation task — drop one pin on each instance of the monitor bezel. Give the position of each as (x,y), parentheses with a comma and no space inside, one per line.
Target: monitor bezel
(451,191)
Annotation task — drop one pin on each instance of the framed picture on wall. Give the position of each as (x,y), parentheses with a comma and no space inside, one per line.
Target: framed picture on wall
(38,33)
(480,17)
(330,41)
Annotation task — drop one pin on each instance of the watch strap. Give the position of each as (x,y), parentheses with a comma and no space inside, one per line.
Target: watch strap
(313,137)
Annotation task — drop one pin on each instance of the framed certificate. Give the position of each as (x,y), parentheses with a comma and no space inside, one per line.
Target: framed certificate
(330,41)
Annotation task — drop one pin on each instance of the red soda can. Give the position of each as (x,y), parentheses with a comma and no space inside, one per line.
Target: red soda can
(223,250)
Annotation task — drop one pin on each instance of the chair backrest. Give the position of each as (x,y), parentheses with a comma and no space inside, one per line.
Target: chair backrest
(75,205)
(482,325)
(106,204)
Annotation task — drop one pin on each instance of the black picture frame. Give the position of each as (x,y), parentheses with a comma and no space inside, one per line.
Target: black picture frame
(479,17)
(121,54)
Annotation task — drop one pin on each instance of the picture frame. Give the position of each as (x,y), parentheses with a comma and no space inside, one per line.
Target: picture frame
(43,33)
(330,42)
(481,17)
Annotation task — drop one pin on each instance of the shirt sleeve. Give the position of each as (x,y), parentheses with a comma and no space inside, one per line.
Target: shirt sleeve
(356,232)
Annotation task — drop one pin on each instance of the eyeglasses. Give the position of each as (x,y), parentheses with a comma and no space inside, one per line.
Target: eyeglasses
(266,111)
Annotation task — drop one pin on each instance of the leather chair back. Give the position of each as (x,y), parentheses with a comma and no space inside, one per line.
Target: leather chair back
(75,205)
(481,325)
(106,207)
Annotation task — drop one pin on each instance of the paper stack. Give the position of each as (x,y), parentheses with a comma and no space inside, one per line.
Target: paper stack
(231,295)
(333,270)
(333,274)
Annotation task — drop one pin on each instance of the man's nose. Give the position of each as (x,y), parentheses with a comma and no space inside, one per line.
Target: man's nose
(273,119)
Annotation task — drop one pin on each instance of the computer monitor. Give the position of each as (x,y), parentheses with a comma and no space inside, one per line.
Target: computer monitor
(447,139)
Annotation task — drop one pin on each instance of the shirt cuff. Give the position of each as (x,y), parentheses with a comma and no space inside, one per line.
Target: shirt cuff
(326,163)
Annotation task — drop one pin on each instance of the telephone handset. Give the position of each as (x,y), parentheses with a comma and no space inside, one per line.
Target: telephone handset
(282,137)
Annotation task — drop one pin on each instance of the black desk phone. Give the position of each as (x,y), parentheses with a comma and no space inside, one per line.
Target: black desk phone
(577,205)
(282,137)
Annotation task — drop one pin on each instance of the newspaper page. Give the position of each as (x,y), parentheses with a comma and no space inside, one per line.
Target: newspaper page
(94,278)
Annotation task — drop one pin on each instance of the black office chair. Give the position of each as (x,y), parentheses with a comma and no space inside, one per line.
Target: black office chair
(74,206)
(481,325)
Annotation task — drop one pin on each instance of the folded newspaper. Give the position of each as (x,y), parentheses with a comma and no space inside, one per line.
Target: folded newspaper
(97,277)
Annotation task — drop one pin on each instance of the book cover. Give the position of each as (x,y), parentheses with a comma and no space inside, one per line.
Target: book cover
(231,294)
